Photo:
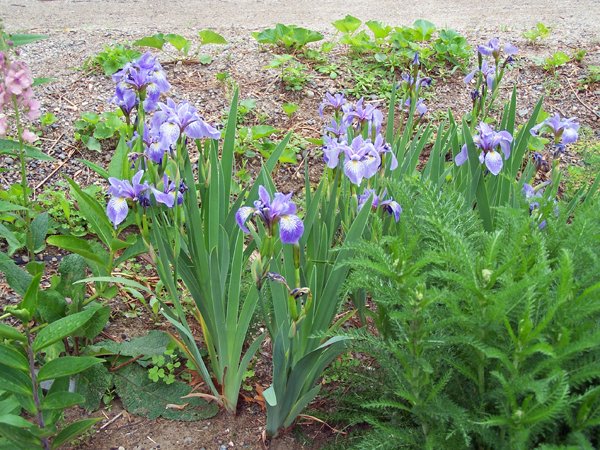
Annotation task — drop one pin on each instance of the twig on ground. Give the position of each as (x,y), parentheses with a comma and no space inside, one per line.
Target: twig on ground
(111,421)
(67,159)
(596,113)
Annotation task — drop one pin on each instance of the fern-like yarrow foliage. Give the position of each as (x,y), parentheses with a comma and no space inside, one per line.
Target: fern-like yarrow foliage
(485,340)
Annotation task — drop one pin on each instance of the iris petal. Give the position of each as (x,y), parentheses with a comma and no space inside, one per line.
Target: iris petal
(117,210)
(493,161)
(462,157)
(290,229)
(242,215)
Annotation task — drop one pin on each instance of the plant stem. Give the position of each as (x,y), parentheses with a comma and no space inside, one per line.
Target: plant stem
(34,385)
(23,175)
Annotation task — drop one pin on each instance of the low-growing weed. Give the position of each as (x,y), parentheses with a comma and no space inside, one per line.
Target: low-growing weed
(111,59)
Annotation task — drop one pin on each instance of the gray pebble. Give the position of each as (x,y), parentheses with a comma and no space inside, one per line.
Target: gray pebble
(188,440)
(9,161)
(25,258)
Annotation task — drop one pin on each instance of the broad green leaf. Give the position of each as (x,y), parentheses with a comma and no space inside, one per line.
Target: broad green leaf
(11,357)
(178,41)
(73,430)
(15,421)
(24,39)
(423,29)
(11,147)
(15,380)
(156,41)
(30,299)
(39,230)
(211,37)
(205,59)
(61,400)
(61,328)
(92,384)
(124,281)
(348,24)
(13,241)
(79,246)
(96,324)
(65,366)
(93,213)
(379,30)
(8,332)
(8,206)
(155,343)
(262,131)
(142,397)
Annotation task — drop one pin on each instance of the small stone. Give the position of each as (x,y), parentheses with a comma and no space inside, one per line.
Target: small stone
(54,259)
(223,447)
(310,94)
(188,440)
(9,161)
(121,448)
(522,112)
(25,258)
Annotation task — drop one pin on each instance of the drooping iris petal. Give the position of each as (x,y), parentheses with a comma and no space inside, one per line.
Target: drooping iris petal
(242,215)
(569,135)
(510,49)
(117,210)
(166,198)
(331,155)
(200,129)
(503,139)
(493,161)
(169,133)
(393,208)
(462,156)
(290,229)
(354,170)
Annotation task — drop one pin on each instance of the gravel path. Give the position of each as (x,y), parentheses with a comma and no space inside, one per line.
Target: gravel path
(573,17)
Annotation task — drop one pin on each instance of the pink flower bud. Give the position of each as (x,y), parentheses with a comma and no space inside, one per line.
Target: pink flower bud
(29,136)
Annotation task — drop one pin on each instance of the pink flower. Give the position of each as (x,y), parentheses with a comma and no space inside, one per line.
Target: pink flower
(29,136)
(18,78)
(3,124)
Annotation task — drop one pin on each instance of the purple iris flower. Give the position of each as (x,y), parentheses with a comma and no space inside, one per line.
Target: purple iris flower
(173,120)
(363,114)
(362,160)
(332,150)
(281,210)
(565,130)
(420,106)
(389,205)
(493,49)
(145,77)
(121,191)
(487,70)
(382,148)
(125,98)
(488,141)
(337,129)
(335,101)
(170,192)
(413,82)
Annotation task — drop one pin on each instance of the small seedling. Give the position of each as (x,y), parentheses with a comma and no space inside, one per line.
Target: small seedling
(111,59)
(289,109)
(536,34)
(557,59)
(47,119)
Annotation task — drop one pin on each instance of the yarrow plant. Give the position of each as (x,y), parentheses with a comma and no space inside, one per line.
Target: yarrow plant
(488,141)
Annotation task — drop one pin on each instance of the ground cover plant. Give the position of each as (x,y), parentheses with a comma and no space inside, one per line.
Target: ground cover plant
(445,257)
